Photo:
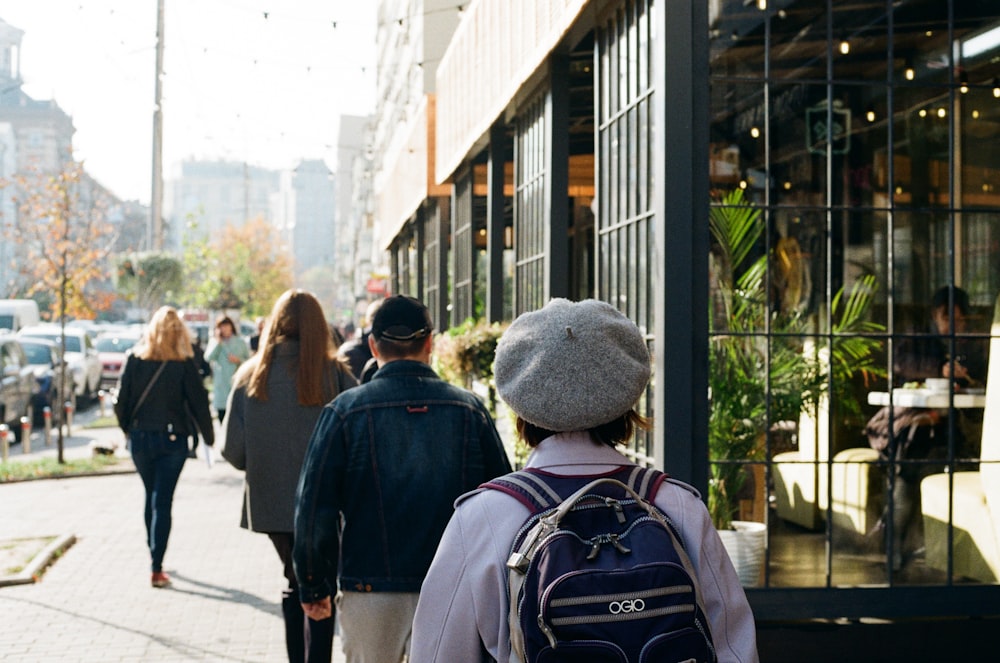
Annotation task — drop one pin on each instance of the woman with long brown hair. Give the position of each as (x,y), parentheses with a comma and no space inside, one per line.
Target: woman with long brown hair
(161,397)
(277,397)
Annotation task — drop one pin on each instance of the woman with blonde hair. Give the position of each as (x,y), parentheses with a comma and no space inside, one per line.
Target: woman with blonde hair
(277,397)
(160,398)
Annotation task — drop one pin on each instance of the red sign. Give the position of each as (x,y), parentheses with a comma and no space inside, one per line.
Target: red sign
(377,286)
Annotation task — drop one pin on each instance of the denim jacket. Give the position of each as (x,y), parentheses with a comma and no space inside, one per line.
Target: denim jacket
(389,458)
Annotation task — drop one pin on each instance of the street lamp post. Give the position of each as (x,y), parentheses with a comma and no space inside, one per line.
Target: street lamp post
(155,239)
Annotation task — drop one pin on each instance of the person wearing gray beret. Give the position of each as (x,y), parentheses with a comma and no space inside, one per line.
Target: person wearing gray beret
(572,372)
(571,366)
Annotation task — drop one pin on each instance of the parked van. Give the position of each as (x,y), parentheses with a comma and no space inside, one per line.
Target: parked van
(18,313)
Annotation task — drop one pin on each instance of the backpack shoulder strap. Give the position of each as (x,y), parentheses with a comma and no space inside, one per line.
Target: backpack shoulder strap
(539,491)
(646,481)
(528,488)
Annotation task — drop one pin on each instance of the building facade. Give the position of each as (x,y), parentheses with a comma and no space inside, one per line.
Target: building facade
(202,197)
(600,148)
(355,263)
(36,138)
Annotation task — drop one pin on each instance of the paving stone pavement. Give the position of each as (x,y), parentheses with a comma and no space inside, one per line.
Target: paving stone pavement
(95,602)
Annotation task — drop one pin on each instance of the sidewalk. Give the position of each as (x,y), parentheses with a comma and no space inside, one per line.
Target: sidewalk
(95,602)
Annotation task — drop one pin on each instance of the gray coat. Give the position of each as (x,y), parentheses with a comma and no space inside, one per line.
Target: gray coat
(268,440)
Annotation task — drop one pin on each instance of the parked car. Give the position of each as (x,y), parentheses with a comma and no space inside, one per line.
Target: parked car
(111,349)
(45,358)
(81,355)
(92,328)
(17,313)
(17,381)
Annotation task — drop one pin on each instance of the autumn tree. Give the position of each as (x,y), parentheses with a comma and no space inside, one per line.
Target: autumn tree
(254,266)
(64,239)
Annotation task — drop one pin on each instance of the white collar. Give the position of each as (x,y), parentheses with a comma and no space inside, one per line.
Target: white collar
(575,449)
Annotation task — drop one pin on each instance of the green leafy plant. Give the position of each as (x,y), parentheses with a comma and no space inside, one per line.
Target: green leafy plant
(767,365)
(465,353)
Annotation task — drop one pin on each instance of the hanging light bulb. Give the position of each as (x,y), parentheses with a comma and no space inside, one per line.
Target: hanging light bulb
(963,83)
(996,88)
(845,46)
(762,5)
(754,132)
(909,73)
(870,114)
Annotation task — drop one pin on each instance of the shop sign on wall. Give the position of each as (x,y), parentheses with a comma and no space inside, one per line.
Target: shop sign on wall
(833,127)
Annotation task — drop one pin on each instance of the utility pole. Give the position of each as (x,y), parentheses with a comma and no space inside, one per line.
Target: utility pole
(155,234)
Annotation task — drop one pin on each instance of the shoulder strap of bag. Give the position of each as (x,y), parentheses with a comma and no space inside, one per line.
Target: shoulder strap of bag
(535,492)
(145,392)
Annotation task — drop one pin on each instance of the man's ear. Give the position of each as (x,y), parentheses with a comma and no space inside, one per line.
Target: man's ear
(371,345)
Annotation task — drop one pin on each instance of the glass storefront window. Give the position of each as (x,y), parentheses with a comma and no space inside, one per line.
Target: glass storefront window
(872,171)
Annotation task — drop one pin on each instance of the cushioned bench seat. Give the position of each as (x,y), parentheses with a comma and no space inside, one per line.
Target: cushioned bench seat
(977,555)
(975,514)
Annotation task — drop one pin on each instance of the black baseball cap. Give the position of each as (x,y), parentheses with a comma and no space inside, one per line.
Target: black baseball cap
(401,318)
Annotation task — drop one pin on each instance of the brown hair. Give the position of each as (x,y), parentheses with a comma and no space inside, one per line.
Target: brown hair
(225,320)
(166,339)
(296,316)
(615,432)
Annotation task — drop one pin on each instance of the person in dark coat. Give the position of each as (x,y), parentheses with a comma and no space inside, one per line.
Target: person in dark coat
(277,398)
(161,402)
(384,466)
(357,352)
(921,434)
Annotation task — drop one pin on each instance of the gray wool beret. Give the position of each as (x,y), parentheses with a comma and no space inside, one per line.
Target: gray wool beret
(571,366)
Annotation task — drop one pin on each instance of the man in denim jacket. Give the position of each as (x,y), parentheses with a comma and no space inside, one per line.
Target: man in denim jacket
(384,466)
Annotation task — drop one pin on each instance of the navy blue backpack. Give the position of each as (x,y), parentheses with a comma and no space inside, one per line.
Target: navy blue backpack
(598,574)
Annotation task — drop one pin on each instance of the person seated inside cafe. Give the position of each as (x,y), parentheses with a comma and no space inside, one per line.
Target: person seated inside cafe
(922,433)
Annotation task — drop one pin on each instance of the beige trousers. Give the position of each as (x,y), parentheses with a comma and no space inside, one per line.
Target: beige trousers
(375,626)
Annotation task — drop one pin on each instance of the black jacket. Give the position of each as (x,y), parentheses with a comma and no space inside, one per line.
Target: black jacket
(357,353)
(178,401)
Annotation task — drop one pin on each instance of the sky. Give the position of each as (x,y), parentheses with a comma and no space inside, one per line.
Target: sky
(261,81)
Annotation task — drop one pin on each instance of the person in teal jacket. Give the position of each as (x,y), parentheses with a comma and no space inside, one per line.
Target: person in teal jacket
(226,351)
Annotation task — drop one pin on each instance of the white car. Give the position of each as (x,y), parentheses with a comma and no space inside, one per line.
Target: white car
(81,355)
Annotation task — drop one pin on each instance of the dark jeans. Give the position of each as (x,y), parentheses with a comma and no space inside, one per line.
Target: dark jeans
(159,461)
(921,453)
(306,640)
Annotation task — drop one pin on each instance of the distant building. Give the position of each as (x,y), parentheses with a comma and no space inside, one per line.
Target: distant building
(36,136)
(43,132)
(304,211)
(205,196)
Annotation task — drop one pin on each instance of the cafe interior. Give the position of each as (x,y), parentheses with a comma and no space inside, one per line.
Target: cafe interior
(862,139)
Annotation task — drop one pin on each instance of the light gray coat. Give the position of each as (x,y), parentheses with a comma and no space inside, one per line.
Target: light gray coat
(268,440)
(463,605)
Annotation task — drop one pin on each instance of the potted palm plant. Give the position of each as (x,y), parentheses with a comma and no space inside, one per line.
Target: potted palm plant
(768,365)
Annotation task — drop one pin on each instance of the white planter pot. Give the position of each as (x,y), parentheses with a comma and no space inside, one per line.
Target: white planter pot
(745,545)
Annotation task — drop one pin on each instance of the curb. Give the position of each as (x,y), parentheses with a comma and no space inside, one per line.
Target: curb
(117,468)
(30,573)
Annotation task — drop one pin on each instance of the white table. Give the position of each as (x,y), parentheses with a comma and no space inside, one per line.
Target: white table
(926,398)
